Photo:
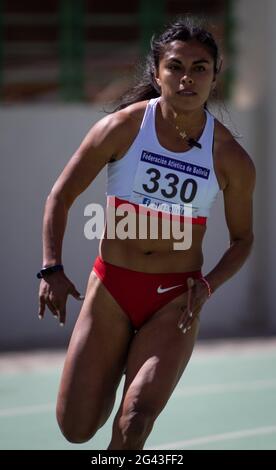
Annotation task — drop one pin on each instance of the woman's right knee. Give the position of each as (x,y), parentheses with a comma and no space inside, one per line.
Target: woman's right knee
(76,430)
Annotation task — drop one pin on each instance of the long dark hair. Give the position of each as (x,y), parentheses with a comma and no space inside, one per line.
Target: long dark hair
(184,29)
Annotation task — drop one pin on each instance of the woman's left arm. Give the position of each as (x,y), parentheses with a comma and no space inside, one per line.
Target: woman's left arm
(238,206)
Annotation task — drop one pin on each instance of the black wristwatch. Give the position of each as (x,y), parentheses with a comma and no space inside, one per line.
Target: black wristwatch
(49,270)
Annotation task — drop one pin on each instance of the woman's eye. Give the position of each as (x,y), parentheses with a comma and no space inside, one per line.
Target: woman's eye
(200,68)
(173,67)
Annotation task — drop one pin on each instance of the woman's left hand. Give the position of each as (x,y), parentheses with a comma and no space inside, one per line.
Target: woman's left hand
(197,296)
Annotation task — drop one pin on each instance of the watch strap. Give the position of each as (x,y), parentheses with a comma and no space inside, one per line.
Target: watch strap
(49,270)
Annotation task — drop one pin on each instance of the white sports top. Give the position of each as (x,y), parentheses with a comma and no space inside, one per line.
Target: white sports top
(156,178)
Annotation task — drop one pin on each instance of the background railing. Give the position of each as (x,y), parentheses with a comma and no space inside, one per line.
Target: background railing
(67,50)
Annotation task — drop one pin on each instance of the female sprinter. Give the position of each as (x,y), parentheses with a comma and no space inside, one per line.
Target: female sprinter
(140,316)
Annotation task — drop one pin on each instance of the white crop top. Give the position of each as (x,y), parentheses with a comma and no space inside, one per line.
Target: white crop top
(154,177)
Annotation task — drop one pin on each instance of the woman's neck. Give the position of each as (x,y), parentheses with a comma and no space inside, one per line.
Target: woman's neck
(189,122)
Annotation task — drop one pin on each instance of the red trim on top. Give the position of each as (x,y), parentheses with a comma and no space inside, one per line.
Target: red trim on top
(139,208)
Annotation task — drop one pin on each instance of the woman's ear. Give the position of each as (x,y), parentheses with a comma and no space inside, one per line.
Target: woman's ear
(156,78)
(157,81)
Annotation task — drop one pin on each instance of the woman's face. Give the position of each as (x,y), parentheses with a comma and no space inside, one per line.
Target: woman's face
(186,67)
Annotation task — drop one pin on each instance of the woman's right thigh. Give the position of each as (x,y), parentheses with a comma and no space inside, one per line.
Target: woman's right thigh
(94,364)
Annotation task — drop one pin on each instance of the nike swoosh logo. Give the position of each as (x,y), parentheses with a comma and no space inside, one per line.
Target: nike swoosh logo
(161,290)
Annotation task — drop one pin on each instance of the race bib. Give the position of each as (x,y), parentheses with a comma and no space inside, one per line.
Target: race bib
(168,184)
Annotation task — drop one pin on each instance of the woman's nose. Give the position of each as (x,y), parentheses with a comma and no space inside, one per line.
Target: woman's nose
(187,79)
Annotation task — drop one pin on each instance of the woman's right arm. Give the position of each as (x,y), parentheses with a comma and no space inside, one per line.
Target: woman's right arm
(101,144)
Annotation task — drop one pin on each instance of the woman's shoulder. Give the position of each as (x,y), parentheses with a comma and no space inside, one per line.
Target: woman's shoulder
(126,121)
(223,135)
(232,157)
(125,125)
(113,132)
(133,114)
(227,144)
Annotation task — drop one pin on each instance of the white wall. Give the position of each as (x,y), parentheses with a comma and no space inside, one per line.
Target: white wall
(255,92)
(268,116)
(36,143)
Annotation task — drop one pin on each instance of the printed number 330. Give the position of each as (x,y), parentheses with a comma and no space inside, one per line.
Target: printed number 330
(171,184)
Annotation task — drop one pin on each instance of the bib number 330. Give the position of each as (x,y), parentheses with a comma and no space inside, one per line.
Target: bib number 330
(187,191)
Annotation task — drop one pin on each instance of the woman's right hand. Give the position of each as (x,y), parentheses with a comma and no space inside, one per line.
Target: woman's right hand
(53,292)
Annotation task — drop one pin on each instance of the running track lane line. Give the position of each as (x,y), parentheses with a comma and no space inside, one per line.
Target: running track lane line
(198,390)
(216,438)
(28,410)
(222,388)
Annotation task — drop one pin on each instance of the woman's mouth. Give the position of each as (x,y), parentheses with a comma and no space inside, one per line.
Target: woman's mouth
(186,93)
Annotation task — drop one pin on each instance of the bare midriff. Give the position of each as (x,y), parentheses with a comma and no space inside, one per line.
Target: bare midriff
(156,255)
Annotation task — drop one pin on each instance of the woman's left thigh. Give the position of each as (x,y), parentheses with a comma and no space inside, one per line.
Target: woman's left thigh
(158,355)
